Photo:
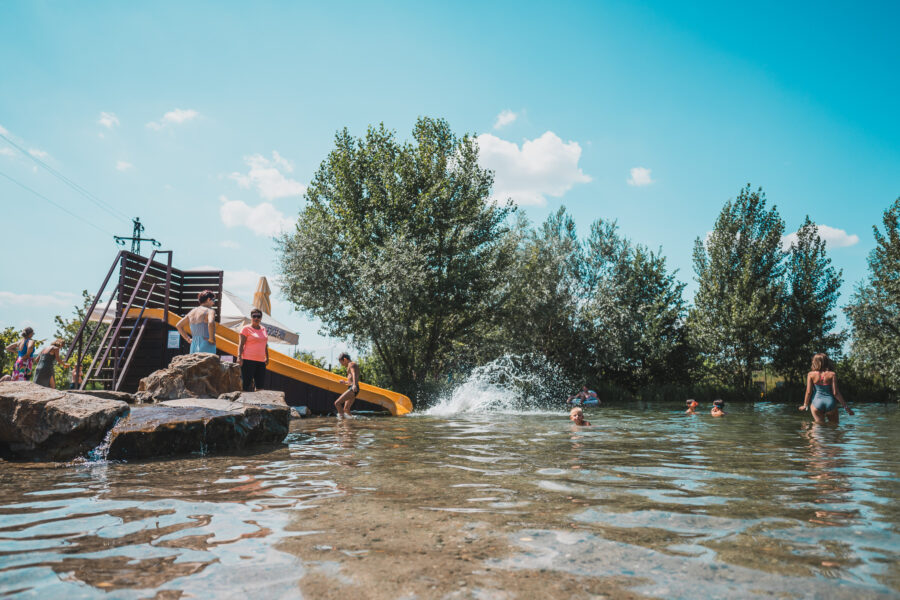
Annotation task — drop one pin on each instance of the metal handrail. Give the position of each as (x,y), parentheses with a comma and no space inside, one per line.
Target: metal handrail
(99,324)
(93,305)
(137,342)
(130,335)
(121,319)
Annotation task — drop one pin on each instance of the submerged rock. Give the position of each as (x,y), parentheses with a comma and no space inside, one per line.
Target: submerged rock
(40,422)
(197,425)
(199,375)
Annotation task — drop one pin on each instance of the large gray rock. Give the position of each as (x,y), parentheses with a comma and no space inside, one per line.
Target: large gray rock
(48,424)
(269,397)
(106,394)
(196,425)
(200,375)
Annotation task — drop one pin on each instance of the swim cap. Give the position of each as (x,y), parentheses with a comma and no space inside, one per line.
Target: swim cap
(719,403)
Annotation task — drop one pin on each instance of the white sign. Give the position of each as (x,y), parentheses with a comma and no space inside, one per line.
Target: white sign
(174,340)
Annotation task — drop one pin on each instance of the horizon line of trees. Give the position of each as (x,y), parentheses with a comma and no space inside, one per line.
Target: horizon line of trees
(400,250)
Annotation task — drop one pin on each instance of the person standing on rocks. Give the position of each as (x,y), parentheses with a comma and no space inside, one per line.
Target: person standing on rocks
(25,358)
(253,352)
(345,400)
(47,359)
(202,322)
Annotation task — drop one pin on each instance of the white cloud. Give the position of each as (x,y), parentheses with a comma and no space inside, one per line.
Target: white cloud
(229,244)
(640,176)
(262,219)
(545,166)
(7,151)
(834,237)
(268,177)
(35,152)
(122,165)
(174,117)
(3,130)
(51,299)
(505,118)
(108,120)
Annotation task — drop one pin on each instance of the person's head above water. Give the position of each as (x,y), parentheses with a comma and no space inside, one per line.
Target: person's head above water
(821,362)
(718,405)
(576,415)
(692,403)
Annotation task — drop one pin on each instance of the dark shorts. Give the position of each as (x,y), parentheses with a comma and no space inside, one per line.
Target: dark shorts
(354,389)
(253,372)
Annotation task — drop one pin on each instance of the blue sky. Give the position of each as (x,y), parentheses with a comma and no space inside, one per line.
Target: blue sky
(207,119)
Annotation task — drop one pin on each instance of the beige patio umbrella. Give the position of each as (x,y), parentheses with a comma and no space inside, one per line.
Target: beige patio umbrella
(261,296)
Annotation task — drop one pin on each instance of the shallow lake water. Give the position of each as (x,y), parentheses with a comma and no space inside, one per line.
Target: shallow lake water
(648,502)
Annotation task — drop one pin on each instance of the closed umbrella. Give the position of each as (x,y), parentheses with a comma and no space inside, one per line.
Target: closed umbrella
(261,296)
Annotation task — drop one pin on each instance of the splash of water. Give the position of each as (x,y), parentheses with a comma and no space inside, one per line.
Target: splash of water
(100,453)
(510,384)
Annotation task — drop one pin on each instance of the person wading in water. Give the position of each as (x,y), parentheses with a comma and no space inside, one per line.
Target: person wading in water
(345,400)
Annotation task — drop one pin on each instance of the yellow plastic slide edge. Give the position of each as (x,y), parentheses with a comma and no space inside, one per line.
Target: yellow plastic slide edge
(227,340)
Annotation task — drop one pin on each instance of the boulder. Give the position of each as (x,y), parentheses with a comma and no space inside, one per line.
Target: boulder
(47,424)
(270,397)
(196,425)
(199,375)
(106,394)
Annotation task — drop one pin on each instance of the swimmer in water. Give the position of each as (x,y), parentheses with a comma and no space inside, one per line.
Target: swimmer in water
(691,407)
(718,409)
(823,380)
(576,415)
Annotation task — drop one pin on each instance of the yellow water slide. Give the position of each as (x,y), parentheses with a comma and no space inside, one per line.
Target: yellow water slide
(227,341)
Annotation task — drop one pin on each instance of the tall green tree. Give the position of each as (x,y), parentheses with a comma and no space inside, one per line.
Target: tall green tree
(738,270)
(400,249)
(811,293)
(635,309)
(874,312)
(603,309)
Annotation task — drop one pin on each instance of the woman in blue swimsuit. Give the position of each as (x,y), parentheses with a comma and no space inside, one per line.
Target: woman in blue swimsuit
(822,388)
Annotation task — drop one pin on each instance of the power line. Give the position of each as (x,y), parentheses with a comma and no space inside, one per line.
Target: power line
(111,210)
(60,207)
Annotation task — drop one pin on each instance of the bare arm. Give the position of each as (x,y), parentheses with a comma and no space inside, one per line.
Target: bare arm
(180,327)
(839,395)
(58,355)
(808,395)
(211,320)
(241,349)
(13,346)
(354,373)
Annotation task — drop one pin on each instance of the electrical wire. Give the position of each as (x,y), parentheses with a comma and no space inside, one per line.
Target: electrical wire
(60,207)
(108,208)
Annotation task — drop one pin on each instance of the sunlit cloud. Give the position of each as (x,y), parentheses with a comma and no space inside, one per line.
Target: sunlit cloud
(640,176)
(545,166)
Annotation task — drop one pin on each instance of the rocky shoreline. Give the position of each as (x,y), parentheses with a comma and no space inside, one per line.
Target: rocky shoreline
(193,406)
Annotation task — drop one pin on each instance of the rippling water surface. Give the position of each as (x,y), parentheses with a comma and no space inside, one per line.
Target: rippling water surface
(648,502)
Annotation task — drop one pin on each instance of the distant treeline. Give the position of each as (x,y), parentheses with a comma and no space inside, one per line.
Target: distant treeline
(400,250)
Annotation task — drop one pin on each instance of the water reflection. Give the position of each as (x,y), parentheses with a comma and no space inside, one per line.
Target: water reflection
(761,502)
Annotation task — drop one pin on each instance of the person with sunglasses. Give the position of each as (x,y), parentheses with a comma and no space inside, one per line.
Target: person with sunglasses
(253,352)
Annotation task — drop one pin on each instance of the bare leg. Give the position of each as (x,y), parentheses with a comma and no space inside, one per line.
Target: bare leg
(834,416)
(52,382)
(817,414)
(341,404)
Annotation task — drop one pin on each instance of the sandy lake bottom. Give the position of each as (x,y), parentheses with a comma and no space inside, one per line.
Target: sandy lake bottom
(647,503)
